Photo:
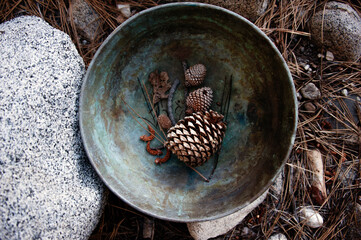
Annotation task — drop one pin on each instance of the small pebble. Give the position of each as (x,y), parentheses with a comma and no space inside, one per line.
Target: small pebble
(310,217)
(310,91)
(320,55)
(307,67)
(246,231)
(329,56)
(278,236)
(344,92)
(124,9)
(310,107)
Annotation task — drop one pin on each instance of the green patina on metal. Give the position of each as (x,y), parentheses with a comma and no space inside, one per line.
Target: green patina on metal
(261,122)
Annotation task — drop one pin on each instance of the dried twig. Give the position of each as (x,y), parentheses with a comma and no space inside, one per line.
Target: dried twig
(170,100)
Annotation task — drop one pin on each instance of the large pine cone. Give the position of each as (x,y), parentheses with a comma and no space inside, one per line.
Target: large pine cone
(195,75)
(196,138)
(199,100)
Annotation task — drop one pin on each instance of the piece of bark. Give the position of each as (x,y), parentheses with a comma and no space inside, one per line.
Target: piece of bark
(318,186)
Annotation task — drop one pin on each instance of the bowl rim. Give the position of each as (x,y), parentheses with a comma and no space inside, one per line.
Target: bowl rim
(204,6)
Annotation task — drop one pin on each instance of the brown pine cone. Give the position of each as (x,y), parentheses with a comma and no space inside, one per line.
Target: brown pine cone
(196,138)
(164,121)
(195,75)
(199,100)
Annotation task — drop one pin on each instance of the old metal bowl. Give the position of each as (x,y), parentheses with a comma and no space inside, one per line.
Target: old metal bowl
(261,120)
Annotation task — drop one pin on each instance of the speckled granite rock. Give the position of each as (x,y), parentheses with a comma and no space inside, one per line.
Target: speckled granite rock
(338,28)
(48,189)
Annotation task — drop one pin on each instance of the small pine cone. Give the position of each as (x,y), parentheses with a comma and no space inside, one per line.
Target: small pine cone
(200,100)
(164,121)
(195,75)
(196,138)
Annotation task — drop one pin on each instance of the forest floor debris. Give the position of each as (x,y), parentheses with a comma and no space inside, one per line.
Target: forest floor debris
(332,126)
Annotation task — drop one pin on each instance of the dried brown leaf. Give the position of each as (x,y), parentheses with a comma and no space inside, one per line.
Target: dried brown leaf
(161,84)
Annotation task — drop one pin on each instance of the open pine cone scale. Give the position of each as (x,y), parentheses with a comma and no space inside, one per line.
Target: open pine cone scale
(197,137)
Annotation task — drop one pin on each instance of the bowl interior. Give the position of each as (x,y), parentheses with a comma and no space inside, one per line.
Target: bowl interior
(260,124)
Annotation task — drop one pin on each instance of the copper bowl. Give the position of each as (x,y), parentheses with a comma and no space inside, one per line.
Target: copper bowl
(261,120)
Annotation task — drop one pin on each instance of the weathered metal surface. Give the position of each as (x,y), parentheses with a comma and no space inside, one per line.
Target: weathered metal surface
(261,122)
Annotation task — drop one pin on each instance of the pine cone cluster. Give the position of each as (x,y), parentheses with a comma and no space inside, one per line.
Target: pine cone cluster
(195,138)
(195,75)
(199,100)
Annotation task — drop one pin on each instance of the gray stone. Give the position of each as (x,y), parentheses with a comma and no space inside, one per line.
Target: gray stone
(277,187)
(329,56)
(214,228)
(338,28)
(344,103)
(249,9)
(124,9)
(344,92)
(310,217)
(354,227)
(247,233)
(278,236)
(86,20)
(310,91)
(348,174)
(310,107)
(48,189)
